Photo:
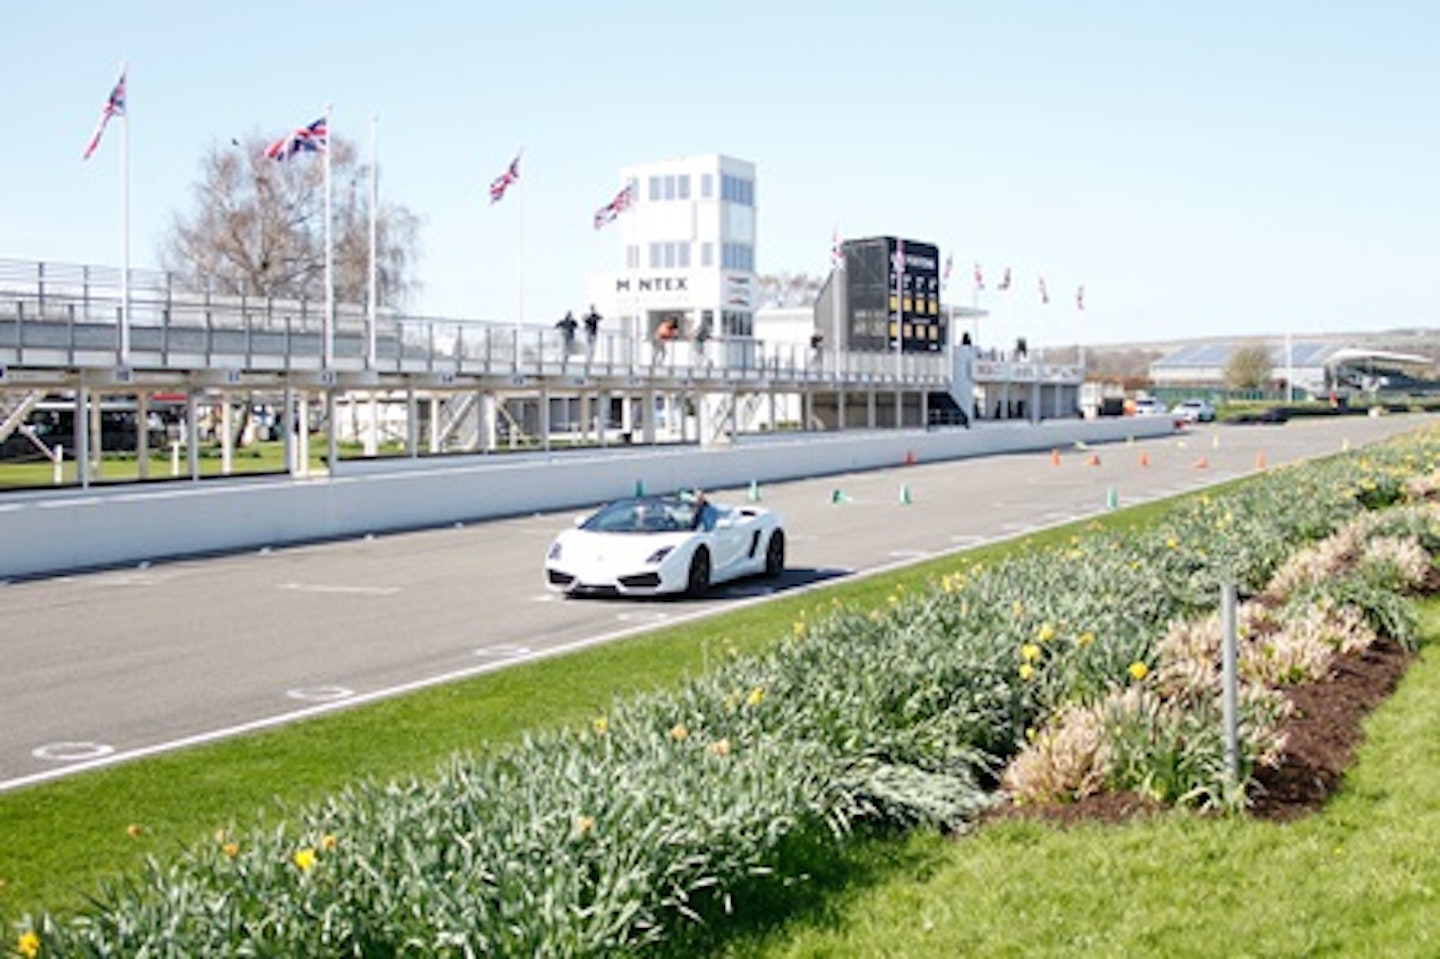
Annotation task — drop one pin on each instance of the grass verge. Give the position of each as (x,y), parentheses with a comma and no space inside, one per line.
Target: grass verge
(1358,879)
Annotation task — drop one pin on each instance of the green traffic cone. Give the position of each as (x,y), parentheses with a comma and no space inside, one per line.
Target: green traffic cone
(639,487)
(905,494)
(1112,499)
(839,497)
(754,491)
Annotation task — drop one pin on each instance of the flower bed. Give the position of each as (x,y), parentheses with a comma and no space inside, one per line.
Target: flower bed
(612,837)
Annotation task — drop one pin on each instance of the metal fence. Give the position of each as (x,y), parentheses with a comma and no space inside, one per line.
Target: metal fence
(74,315)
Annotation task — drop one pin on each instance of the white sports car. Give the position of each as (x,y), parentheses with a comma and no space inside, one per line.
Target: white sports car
(653,545)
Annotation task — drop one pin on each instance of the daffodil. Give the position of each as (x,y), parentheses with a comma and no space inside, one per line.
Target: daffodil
(1138,671)
(1046,633)
(584,824)
(679,733)
(304,859)
(328,841)
(230,850)
(29,944)
(756,697)
(1026,671)
(1085,639)
(601,725)
(720,747)
(1030,653)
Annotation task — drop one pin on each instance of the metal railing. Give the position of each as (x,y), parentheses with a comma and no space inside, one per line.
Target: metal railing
(72,315)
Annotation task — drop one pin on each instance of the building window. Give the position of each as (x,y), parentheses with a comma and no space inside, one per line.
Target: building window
(670,186)
(683,183)
(734,323)
(669,256)
(707,186)
(738,256)
(654,188)
(632,257)
(655,256)
(707,254)
(682,258)
(737,190)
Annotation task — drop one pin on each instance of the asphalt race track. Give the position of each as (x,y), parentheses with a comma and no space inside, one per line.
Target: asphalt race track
(107,666)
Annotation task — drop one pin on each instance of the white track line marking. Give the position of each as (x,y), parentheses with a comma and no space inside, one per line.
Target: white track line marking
(72,752)
(350,590)
(320,694)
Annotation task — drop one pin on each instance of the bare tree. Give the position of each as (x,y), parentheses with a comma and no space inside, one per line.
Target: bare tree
(258,228)
(790,290)
(1248,368)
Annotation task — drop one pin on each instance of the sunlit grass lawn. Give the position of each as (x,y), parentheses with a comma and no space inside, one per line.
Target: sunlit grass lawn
(125,467)
(1360,878)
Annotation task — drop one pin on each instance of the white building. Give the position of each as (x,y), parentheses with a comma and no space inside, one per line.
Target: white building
(687,250)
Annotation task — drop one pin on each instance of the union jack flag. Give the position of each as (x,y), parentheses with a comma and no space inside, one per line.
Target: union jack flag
(615,207)
(312,139)
(1080,297)
(1004,281)
(114,107)
(949,267)
(1044,291)
(837,252)
(501,183)
(979,278)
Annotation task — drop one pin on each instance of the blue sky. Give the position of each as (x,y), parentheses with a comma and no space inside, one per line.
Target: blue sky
(1263,166)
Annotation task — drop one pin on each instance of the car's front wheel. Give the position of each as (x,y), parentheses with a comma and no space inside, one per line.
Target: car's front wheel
(775,554)
(699,579)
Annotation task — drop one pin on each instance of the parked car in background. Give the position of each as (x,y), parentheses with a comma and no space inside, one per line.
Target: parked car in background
(1149,406)
(1194,411)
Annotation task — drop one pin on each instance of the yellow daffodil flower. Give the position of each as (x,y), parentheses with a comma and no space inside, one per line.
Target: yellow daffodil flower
(304,859)
(29,945)
(1138,671)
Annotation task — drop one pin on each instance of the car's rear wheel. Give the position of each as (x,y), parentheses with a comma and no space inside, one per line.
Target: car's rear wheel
(699,579)
(775,554)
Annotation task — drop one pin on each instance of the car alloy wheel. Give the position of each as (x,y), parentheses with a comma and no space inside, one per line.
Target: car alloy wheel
(775,554)
(699,579)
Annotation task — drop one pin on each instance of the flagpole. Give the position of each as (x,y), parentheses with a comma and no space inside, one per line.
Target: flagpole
(328,331)
(371,302)
(125,222)
(520,267)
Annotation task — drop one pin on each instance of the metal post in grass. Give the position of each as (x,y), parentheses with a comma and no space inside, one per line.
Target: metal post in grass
(1228,640)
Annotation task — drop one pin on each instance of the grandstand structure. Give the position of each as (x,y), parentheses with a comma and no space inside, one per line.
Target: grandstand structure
(1308,367)
(228,362)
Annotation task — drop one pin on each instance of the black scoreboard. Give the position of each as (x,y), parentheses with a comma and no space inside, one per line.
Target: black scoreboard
(887,298)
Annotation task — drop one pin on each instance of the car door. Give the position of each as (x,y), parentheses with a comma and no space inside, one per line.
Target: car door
(730,541)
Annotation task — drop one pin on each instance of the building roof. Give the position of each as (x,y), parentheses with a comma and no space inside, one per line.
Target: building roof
(1300,353)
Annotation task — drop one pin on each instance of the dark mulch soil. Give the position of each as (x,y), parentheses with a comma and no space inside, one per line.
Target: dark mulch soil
(1321,733)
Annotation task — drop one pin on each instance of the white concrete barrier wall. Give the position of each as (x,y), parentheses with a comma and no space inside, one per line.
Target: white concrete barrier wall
(73,530)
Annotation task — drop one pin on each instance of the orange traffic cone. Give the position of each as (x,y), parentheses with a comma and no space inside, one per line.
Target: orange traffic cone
(1202,463)
(1094,460)
(1260,461)
(909,457)
(1055,457)
(1144,459)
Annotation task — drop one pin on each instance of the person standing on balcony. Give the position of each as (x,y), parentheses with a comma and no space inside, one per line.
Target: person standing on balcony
(566,326)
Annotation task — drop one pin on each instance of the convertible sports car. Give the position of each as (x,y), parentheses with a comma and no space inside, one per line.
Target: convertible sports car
(654,545)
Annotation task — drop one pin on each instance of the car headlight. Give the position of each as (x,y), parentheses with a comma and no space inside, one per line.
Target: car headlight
(659,554)
(554,552)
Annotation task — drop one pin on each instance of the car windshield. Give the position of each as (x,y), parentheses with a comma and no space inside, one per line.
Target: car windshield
(650,514)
